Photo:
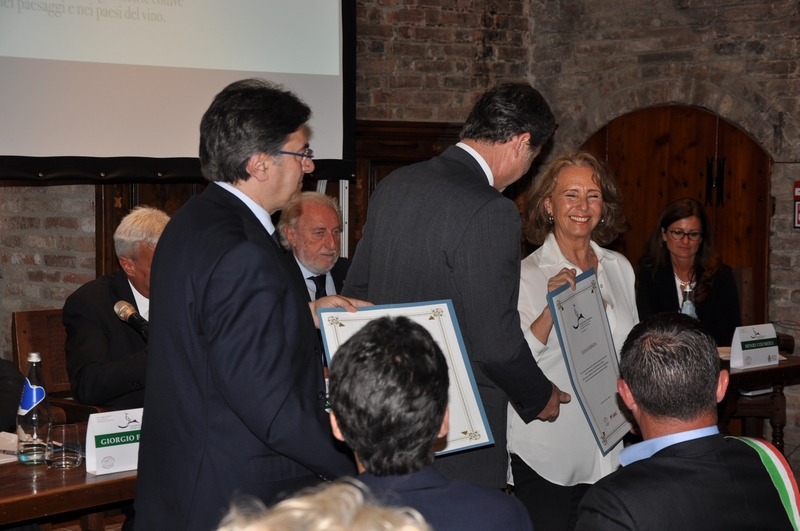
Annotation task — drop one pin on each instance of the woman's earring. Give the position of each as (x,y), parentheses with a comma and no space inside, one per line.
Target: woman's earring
(551,219)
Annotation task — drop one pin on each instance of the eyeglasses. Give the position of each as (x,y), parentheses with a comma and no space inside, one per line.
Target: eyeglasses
(678,234)
(307,154)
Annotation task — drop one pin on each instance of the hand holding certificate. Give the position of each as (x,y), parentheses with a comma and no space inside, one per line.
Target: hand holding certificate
(588,349)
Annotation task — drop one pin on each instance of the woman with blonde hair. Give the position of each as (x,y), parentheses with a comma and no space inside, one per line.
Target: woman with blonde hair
(574,208)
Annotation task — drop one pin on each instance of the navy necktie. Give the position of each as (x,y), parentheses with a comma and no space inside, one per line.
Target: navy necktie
(319,282)
(277,239)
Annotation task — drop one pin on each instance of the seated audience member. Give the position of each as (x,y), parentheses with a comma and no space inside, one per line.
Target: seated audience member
(684,476)
(341,506)
(311,227)
(388,387)
(106,356)
(11,383)
(680,263)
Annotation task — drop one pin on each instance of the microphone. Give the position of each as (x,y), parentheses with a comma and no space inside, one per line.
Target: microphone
(127,312)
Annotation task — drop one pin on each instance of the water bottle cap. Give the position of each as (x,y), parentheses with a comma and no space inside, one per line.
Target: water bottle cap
(34,357)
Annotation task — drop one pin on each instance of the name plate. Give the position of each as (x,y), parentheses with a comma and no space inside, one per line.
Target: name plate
(754,346)
(112,441)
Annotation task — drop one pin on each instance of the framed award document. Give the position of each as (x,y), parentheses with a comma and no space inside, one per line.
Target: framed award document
(468,425)
(588,349)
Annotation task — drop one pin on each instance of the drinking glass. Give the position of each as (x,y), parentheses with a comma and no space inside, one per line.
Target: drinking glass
(63,447)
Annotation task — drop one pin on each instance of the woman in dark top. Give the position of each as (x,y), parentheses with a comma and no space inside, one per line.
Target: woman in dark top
(679,257)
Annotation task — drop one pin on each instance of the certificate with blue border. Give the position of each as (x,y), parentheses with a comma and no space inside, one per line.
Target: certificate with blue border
(468,425)
(588,348)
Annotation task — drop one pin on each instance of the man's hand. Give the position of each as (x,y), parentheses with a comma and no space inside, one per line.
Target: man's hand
(553,407)
(335,301)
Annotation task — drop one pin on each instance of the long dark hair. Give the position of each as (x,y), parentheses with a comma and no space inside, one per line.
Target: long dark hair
(706,261)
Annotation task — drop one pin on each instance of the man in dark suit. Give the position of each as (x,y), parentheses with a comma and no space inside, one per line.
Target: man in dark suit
(106,357)
(235,392)
(684,476)
(442,229)
(389,387)
(311,227)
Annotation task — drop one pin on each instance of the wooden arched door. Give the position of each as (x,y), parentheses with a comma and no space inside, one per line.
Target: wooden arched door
(662,154)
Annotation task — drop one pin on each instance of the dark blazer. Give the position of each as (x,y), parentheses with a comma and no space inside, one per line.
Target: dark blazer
(705,484)
(718,313)
(450,505)
(438,230)
(106,358)
(11,383)
(235,396)
(338,272)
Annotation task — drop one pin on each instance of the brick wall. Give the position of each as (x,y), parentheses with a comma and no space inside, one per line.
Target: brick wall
(46,248)
(595,60)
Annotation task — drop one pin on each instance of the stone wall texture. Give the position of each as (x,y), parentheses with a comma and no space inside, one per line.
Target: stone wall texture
(595,60)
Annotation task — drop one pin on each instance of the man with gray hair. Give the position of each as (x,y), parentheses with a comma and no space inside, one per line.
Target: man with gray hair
(684,475)
(311,227)
(105,356)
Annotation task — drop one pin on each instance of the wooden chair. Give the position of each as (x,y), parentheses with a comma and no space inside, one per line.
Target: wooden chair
(42,331)
(752,410)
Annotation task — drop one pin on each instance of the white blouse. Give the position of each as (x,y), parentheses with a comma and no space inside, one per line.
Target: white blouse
(564,452)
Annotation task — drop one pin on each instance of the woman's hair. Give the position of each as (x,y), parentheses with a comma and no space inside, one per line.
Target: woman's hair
(706,261)
(612,220)
(345,505)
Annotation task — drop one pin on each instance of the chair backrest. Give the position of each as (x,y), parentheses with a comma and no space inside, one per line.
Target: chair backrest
(42,331)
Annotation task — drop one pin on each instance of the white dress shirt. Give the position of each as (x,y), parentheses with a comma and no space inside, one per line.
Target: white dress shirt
(564,452)
(142,302)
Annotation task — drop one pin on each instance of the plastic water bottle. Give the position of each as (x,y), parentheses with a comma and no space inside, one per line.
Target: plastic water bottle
(687,308)
(33,416)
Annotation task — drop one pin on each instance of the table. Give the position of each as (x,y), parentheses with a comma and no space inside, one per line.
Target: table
(771,406)
(34,492)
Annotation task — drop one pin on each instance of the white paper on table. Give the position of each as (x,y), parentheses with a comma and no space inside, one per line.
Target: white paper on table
(468,425)
(588,349)
(8,441)
(112,441)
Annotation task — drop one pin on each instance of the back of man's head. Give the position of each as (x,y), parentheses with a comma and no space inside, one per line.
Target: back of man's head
(671,366)
(388,386)
(508,110)
(248,117)
(143,225)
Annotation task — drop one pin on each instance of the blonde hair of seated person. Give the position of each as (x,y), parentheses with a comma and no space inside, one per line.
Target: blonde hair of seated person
(345,505)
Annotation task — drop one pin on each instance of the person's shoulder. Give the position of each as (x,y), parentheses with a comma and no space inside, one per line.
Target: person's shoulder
(100,286)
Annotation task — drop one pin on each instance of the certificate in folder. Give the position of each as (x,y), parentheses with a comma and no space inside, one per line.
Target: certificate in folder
(588,348)
(468,425)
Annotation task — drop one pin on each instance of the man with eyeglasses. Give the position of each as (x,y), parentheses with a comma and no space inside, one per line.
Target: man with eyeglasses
(442,229)
(235,399)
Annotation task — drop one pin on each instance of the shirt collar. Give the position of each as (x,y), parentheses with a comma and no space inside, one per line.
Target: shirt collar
(258,211)
(552,255)
(142,302)
(477,156)
(303,269)
(650,447)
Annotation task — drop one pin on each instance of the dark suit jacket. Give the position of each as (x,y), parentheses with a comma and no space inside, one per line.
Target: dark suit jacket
(437,230)
(705,484)
(106,358)
(450,505)
(11,383)
(235,396)
(338,272)
(718,313)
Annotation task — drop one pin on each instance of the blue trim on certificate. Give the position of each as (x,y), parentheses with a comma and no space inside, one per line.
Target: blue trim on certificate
(449,303)
(551,297)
